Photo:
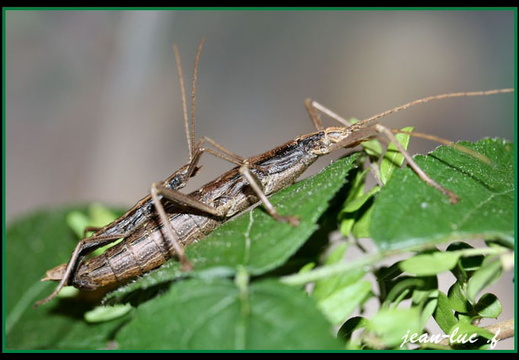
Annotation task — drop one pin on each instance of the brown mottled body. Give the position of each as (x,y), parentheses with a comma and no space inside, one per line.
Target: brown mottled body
(147,248)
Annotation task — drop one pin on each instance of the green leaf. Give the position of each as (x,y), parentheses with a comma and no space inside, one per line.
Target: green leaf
(355,200)
(466,264)
(427,291)
(426,301)
(107,313)
(392,325)
(362,224)
(353,204)
(401,290)
(341,303)
(40,241)
(444,314)
(488,306)
(457,299)
(254,240)
(393,159)
(265,315)
(325,287)
(347,329)
(97,215)
(355,216)
(78,221)
(409,213)
(465,335)
(486,275)
(430,263)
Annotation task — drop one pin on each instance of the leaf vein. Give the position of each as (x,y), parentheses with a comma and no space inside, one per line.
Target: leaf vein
(478,206)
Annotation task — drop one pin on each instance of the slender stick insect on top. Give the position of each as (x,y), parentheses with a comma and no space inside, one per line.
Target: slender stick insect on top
(161,224)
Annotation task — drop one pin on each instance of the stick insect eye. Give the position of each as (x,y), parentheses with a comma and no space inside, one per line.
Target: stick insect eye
(335,135)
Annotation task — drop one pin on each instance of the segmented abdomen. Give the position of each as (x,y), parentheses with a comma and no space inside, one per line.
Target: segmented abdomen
(140,253)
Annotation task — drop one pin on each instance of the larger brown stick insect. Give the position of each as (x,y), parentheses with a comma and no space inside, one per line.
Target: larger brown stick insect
(161,224)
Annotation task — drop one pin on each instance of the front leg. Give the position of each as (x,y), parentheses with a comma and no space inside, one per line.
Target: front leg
(255,185)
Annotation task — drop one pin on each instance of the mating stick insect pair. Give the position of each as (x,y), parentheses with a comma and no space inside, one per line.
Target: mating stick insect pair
(161,224)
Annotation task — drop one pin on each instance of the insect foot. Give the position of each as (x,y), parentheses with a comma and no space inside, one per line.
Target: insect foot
(292,220)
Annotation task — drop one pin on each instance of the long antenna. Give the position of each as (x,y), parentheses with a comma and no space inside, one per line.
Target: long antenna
(189,136)
(193,90)
(427,99)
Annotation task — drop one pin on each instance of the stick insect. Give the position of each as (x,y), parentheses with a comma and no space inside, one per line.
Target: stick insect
(160,225)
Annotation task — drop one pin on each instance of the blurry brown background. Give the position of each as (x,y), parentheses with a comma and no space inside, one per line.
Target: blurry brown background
(93,103)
